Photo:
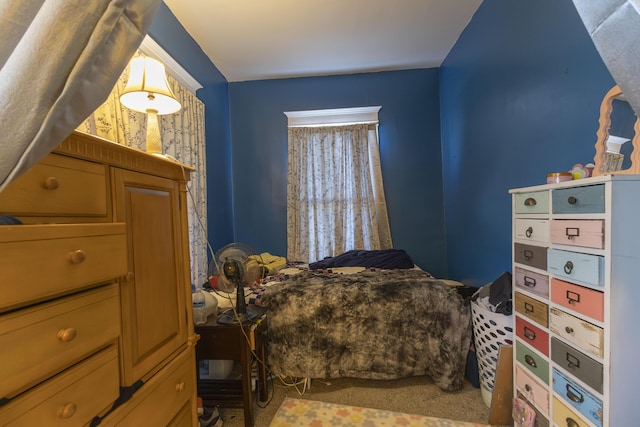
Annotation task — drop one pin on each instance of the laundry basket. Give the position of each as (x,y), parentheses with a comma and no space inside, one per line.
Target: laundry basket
(490,330)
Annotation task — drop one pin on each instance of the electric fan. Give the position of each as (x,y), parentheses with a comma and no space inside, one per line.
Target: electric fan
(232,268)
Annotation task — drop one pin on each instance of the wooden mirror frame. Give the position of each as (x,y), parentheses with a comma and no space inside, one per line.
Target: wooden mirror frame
(603,134)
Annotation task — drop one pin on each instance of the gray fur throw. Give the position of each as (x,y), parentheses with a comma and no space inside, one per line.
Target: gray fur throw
(373,324)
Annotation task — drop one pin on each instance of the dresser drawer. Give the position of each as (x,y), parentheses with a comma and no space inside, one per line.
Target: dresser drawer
(585,268)
(577,363)
(535,392)
(540,420)
(587,301)
(576,396)
(565,417)
(583,334)
(532,335)
(536,364)
(42,261)
(42,340)
(589,199)
(584,233)
(161,399)
(70,398)
(58,186)
(532,309)
(534,256)
(535,202)
(532,282)
(184,418)
(535,230)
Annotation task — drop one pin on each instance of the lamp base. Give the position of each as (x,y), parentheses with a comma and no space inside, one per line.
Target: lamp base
(154,143)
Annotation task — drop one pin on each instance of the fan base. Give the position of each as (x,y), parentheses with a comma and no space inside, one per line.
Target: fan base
(230,318)
(252,314)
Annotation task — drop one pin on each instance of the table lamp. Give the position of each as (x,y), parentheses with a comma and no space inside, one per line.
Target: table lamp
(148,91)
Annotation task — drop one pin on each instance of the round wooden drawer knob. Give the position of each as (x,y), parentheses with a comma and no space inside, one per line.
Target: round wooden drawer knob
(67,334)
(67,411)
(180,387)
(51,183)
(76,257)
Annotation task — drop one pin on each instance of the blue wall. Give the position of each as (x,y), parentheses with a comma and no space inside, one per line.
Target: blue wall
(169,33)
(518,97)
(521,92)
(409,145)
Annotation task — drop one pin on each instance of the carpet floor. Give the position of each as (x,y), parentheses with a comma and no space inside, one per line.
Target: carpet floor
(312,413)
(414,395)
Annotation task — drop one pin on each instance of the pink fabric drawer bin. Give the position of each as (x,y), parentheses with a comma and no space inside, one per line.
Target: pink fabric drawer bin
(532,282)
(578,232)
(578,298)
(532,335)
(531,388)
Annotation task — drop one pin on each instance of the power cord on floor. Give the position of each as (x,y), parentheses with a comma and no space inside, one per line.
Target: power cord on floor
(296,383)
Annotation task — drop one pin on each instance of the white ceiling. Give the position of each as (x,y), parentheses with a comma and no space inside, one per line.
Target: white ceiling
(266,39)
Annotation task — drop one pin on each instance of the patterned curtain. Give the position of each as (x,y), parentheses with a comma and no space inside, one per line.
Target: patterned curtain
(335,196)
(183,138)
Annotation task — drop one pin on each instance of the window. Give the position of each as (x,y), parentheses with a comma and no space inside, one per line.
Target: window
(335,196)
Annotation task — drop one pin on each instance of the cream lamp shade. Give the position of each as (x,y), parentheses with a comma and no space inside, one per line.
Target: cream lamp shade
(148,91)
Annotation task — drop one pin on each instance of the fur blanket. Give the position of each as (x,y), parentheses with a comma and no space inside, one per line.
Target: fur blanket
(374,324)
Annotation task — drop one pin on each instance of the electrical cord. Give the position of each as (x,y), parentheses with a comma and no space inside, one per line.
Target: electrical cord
(305,382)
(228,296)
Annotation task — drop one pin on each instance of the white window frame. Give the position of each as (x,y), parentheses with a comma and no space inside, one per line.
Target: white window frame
(333,117)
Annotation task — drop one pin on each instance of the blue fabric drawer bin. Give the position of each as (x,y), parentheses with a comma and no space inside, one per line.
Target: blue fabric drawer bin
(589,199)
(578,397)
(585,268)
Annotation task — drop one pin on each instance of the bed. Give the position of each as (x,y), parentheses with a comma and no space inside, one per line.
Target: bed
(367,323)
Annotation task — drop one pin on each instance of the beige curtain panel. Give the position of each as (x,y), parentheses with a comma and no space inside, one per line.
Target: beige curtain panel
(60,59)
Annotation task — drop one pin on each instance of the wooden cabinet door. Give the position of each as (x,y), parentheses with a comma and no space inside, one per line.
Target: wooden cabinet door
(154,319)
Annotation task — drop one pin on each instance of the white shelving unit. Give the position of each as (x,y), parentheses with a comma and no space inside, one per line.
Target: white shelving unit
(576,264)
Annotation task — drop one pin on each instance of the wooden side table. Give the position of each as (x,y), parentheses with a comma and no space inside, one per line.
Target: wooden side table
(228,342)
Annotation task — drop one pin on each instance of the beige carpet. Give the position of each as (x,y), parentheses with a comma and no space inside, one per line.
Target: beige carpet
(312,413)
(415,395)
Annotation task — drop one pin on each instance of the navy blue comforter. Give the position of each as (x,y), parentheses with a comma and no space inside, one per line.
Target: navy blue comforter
(383,258)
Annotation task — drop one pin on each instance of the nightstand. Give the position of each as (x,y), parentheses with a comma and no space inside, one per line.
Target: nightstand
(228,342)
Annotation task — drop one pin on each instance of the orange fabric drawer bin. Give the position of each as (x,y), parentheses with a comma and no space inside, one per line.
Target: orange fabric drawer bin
(578,298)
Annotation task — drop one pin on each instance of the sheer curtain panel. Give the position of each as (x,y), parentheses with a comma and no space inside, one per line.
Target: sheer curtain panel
(59,61)
(335,196)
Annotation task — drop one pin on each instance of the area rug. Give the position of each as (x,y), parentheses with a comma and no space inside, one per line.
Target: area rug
(311,413)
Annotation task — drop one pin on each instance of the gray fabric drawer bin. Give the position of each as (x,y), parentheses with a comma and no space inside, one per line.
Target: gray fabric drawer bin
(534,256)
(577,363)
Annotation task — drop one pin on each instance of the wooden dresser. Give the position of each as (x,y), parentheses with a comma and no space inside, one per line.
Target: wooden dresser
(576,262)
(95,309)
